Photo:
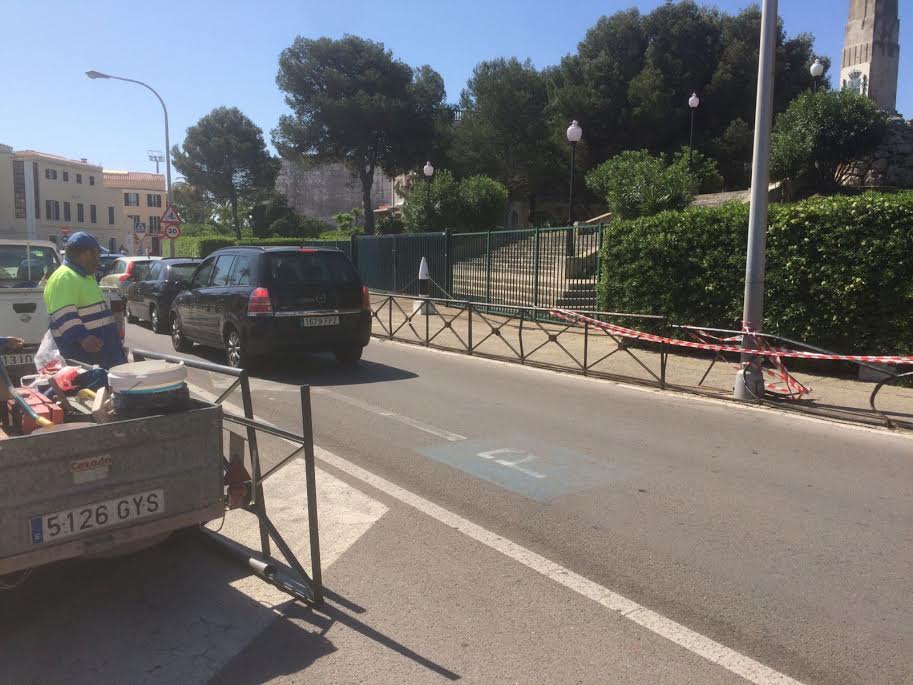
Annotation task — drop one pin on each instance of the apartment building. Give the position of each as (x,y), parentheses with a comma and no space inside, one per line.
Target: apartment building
(45,197)
(138,198)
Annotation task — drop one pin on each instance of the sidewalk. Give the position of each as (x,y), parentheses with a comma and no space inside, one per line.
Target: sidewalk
(567,348)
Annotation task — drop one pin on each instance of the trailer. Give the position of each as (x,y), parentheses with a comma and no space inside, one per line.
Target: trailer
(86,489)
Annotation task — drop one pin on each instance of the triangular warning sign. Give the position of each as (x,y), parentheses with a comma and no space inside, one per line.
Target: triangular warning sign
(170,216)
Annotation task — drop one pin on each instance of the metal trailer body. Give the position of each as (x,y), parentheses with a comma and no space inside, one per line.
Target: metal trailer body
(92,489)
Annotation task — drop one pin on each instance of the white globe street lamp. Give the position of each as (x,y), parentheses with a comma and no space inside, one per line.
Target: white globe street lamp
(817,70)
(574,134)
(693,102)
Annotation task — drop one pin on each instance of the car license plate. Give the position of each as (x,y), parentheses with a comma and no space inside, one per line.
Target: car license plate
(18,359)
(309,321)
(64,524)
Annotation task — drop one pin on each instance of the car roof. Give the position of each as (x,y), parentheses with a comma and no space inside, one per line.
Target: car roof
(278,248)
(23,241)
(181,260)
(137,258)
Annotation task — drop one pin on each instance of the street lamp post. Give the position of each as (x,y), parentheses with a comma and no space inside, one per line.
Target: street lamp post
(428,170)
(96,75)
(693,102)
(574,134)
(817,70)
(749,383)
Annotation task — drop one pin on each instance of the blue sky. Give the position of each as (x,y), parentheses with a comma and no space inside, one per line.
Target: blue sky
(200,54)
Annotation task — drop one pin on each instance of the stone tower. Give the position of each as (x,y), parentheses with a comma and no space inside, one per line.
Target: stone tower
(871,51)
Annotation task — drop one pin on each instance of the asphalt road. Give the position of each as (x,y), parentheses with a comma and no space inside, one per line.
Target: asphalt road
(784,538)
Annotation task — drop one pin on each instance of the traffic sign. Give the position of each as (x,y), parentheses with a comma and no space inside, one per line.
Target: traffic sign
(172,231)
(170,216)
(139,228)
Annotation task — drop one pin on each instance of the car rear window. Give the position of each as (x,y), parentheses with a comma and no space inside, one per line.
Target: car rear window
(183,272)
(310,267)
(21,265)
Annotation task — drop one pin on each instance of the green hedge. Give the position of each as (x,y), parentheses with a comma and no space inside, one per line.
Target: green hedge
(839,269)
(205,245)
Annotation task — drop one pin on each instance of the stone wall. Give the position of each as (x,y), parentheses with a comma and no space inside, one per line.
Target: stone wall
(891,165)
(328,189)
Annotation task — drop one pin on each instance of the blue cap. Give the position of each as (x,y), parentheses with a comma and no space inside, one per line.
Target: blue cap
(83,241)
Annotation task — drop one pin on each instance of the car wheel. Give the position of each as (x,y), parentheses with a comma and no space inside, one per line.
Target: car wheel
(235,352)
(180,343)
(130,317)
(154,318)
(349,356)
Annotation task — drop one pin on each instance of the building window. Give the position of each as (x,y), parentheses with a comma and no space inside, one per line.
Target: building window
(66,176)
(50,174)
(155,225)
(93,214)
(52,210)
(91,180)
(66,211)
(37,191)
(131,199)
(111,215)
(134,220)
(153,200)
(19,188)
(80,213)
(79,178)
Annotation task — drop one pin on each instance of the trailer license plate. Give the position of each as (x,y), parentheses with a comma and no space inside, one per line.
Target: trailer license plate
(64,524)
(18,359)
(309,321)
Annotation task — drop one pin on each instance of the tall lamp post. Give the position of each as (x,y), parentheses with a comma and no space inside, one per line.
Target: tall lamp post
(817,70)
(428,170)
(693,102)
(96,75)
(749,384)
(574,134)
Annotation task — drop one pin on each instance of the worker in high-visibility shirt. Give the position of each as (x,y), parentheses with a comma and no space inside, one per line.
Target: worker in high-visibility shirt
(81,321)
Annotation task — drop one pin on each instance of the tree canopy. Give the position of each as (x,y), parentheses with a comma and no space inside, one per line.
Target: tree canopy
(224,156)
(629,82)
(352,102)
(820,131)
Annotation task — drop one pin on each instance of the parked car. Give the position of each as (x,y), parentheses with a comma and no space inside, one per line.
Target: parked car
(150,299)
(105,260)
(124,271)
(254,301)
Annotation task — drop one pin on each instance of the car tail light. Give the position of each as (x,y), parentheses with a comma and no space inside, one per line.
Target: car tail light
(365,297)
(259,303)
(307,250)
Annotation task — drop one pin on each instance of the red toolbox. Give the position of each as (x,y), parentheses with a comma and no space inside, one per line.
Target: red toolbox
(21,422)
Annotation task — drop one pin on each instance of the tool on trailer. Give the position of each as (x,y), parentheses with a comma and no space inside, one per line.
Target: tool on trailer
(21,401)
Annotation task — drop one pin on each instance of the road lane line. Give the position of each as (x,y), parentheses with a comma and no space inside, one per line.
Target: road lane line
(700,645)
(380,411)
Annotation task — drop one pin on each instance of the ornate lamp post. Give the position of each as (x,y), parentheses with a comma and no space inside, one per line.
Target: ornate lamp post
(817,70)
(693,102)
(574,134)
(428,170)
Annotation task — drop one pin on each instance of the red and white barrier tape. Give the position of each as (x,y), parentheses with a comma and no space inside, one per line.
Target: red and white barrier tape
(770,351)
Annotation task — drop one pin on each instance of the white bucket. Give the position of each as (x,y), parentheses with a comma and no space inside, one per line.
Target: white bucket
(147,377)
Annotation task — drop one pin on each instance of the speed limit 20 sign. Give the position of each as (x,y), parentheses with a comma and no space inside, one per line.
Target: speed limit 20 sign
(172,231)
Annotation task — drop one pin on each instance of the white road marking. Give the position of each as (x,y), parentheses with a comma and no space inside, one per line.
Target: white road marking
(380,411)
(700,645)
(513,464)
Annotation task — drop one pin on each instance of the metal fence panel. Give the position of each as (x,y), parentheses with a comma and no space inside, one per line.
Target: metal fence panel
(391,262)
(546,267)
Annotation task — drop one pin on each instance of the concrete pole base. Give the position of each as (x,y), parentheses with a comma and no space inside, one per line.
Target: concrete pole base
(424,306)
(749,385)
